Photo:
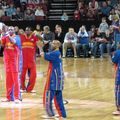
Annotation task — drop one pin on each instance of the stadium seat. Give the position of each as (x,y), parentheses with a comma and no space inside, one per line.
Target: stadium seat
(5,18)
(39,18)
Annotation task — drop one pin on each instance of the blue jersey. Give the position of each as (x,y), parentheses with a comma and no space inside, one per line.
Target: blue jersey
(55,78)
(18,43)
(116,60)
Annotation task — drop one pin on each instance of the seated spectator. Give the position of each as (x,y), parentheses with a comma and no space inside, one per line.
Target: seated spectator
(117,11)
(39,11)
(23,1)
(70,40)
(118,6)
(29,15)
(91,35)
(112,14)
(91,32)
(21,31)
(42,1)
(90,13)
(80,6)
(64,17)
(15,17)
(110,44)
(59,35)
(114,2)
(83,42)
(18,15)
(76,15)
(95,4)
(10,1)
(4,5)
(17,3)
(82,9)
(11,10)
(16,30)
(99,44)
(38,30)
(33,2)
(31,6)
(105,9)
(48,37)
(1,12)
(56,27)
(23,7)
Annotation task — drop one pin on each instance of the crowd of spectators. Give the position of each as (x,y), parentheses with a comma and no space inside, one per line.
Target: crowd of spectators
(95,9)
(93,42)
(17,10)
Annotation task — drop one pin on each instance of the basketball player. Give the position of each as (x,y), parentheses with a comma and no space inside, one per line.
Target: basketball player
(54,83)
(11,61)
(116,61)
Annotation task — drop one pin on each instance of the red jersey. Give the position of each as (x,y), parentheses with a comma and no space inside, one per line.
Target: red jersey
(10,55)
(28,49)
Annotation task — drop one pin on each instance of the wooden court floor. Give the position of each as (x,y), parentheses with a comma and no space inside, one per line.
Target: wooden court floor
(89,90)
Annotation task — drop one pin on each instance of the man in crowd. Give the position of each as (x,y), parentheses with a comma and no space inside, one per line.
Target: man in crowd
(48,37)
(70,40)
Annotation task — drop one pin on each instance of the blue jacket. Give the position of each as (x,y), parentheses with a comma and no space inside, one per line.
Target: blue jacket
(18,43)
(116,60)
(83,37)
(55,77)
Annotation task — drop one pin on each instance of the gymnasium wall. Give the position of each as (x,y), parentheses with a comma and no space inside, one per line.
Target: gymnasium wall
(65,24)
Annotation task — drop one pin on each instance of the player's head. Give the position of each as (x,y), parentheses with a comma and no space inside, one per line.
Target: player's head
(3,28)
(28,30)
(11,30)
(55,44)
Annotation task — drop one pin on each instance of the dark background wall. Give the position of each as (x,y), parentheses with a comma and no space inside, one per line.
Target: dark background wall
(65,24)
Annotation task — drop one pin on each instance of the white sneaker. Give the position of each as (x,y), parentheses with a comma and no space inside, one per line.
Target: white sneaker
(93,57)
(116,113)
(32,91)
(60,118)
(17,101)
(5,100)
(75,56)
(57,116)
(23,91)
(101,57)
(48,117)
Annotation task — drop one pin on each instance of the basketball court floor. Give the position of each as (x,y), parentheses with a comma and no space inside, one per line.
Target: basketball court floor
(88,92)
